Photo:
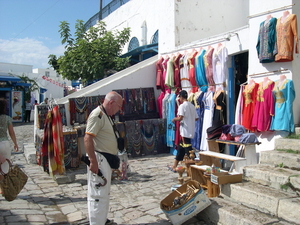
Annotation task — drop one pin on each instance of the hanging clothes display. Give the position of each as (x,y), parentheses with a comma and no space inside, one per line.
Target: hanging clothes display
(264,107)
(287,37)
(170,132)
(284,94)
(239,107)
(208,65)
(159,104)
(219,62)
(53,145)
(208,104)
(184,73)
(165,105)
(164,72)
(219,99)
(196,141)
(249,101)
(200,71)
(159,70)
(169,80)
(192,73)
(176,62)
(266,46)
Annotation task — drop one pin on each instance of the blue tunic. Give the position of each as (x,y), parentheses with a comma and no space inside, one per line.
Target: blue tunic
(284,95)
(196,141)
(170,115)
(200,71)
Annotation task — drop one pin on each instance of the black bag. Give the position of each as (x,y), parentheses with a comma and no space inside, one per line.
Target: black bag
(121,143)
(113,160)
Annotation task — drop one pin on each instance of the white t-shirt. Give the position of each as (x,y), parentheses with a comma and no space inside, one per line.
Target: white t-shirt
(187,124)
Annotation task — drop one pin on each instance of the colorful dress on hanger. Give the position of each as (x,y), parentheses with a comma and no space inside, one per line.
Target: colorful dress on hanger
(159,103)
(169,81)
(184,74)
(219,62)
(266,46)
(164,66)
(196,141)
(159,70)
(170,133)
(219,106)
(192,73)
(287,35)
(208,66)
(200,71)
(177,71)
(165,105)
(284,97)
(208,103)
(239,107)
(264,107)
(249,101)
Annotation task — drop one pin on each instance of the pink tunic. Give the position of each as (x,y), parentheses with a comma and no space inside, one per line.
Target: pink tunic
(208,66)
(264,107)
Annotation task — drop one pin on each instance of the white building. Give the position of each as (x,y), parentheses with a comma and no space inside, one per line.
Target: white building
(51,84)
(187,25)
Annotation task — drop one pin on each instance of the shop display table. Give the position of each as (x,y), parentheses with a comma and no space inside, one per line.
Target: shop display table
(198,174)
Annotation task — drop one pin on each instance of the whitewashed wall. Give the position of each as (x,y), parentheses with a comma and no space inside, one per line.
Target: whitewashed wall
(196,20)
(13,68)
(258,12)
(179,22)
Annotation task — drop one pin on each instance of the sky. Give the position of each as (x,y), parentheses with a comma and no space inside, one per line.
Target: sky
(29,28)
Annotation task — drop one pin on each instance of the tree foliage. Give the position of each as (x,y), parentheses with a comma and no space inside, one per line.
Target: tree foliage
(89,55)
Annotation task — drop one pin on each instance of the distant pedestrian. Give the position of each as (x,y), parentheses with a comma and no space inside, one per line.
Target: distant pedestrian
(101,147)
(28,108)
(45,102)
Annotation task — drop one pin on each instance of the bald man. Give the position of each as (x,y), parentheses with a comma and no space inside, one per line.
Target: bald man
(101,147)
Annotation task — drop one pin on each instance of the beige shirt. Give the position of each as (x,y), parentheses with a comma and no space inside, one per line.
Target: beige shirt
(99,126)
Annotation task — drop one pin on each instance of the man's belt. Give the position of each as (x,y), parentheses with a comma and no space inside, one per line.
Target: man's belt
(86,160)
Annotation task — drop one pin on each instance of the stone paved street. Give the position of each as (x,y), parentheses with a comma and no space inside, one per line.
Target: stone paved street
(135,201)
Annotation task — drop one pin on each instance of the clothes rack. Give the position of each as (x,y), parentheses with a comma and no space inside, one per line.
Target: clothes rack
(268,72)
(271,11)
(204,44)
(224,85)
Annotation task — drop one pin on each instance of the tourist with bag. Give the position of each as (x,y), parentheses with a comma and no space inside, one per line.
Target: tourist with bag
(5,148)
(101,146)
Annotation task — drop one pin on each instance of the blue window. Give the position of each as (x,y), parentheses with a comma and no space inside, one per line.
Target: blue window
(154,38)
(133,44)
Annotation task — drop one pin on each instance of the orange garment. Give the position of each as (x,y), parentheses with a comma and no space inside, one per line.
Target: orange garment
(159,70)
(286,35)
(249,101)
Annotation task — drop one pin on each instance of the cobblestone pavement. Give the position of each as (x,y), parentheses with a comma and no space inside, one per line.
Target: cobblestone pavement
(134,201)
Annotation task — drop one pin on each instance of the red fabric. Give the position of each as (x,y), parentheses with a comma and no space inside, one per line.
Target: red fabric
(159,70)
(57,161)
(177,82)
(226,137)
(192,73)
(249,101)
(164,72)
(264,107)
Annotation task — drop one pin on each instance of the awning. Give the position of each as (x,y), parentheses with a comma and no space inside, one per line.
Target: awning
(23,84)
(142,49)
(9,78)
